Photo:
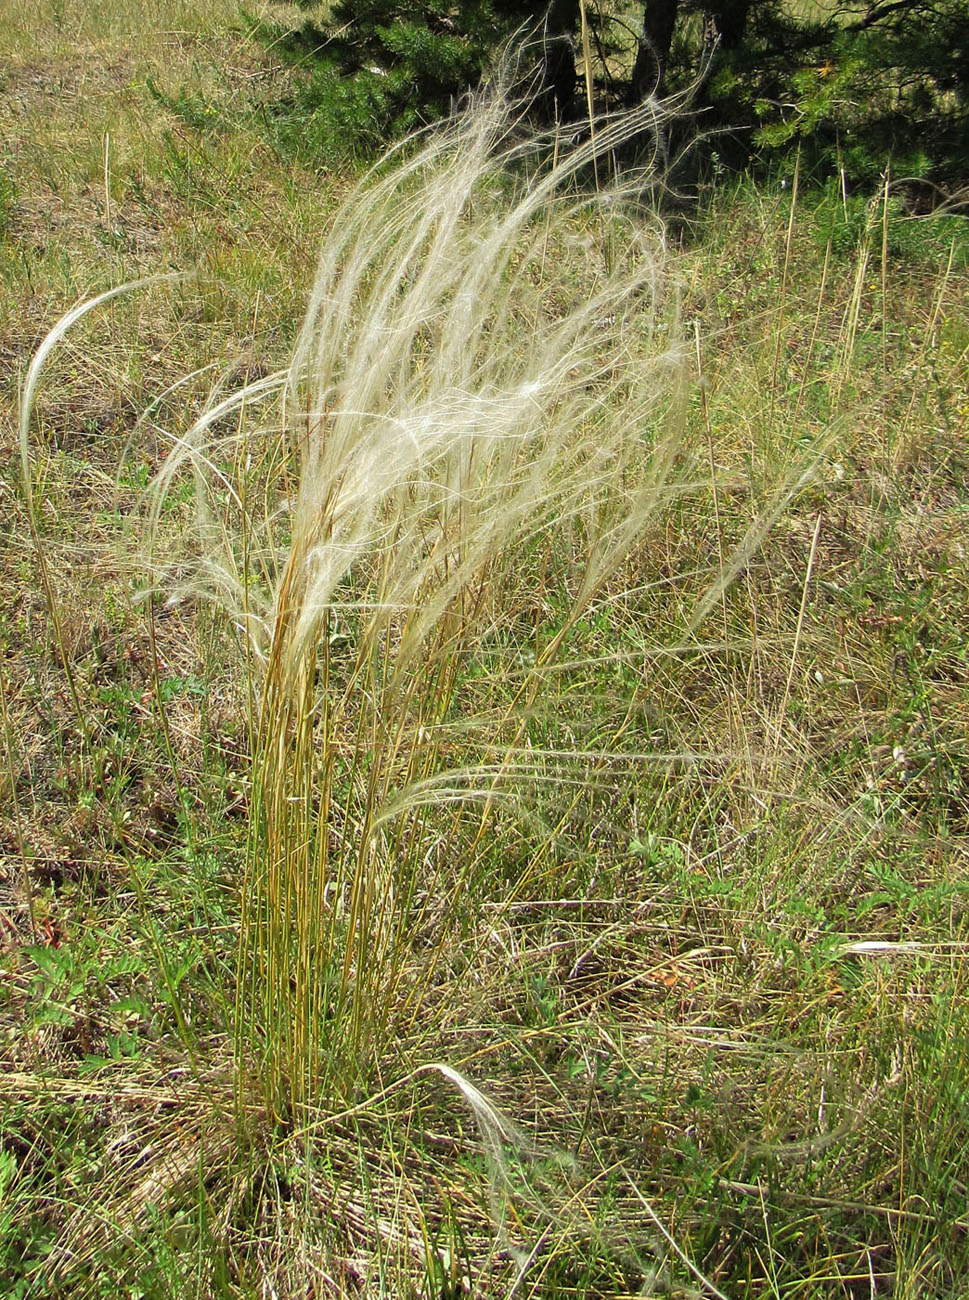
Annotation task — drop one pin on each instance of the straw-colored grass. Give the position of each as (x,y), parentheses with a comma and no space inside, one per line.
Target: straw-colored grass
(482,417)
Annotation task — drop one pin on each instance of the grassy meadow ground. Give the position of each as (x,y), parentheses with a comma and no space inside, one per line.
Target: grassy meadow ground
(725,1013)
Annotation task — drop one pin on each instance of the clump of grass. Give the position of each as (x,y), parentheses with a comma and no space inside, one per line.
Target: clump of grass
(480,420)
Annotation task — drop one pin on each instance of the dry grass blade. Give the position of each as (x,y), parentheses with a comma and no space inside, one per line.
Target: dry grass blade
(25,418)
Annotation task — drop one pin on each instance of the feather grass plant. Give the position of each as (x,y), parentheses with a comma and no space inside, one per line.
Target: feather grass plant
(484,396)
